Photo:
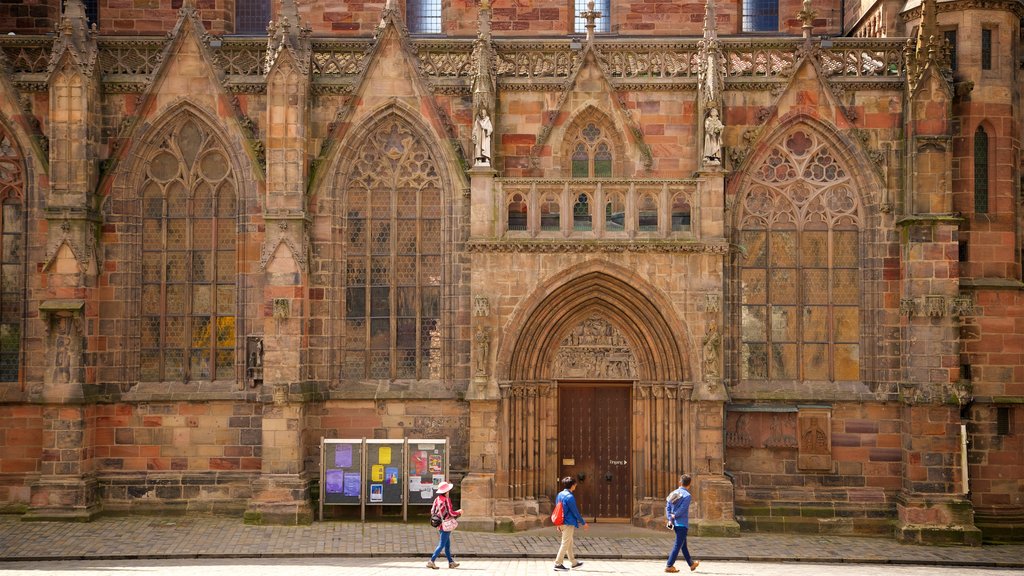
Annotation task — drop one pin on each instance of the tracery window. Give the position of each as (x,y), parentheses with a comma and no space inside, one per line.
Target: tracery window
(980,171)
(582,219)
(591,153)
(603,24)
(800,277)
(424,16)
(12,256)
(393,258)
(518,213)
(189,259)
(252,16)
(615,213)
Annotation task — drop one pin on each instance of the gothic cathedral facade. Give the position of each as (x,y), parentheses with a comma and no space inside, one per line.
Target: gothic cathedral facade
(773,244)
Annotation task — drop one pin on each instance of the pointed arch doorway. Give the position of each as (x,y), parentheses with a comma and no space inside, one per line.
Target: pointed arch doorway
(597,389)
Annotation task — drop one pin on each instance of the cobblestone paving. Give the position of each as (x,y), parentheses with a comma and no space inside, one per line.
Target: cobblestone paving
(214,537)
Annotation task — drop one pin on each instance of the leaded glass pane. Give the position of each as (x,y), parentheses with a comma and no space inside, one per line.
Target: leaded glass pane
(847,323)
(176,233)
(430,302)
(815,362)
(430,270)
(202,234)
(202,201)
(815,286)
(783,362)
(355,334)
(846,286)
(430,333)
(380,363)
(355,302)
(176,298)
(356,271)
(226,266)
(815,324)
(602,161)
(847,361)
(783,324)
(380,237)
(200,363)
(783,248)
(226,299)
(176,267)
(174,331)
(581,219)
(201,303)
(152,265)
(406,237)
(517,213)
(225,332)
(405,331)
(782,286)
(200,332)
(405,270)
(227,201)
(430,203)
(380,271)
(149,365)
(200,267)
(406,363)
(177,200)
(153,206)
(754,287)
(380,333)
(152,234)
(225,364)
(174,364)
(380,301)
(150,331)
(430,242)
(814,248)
(580,162)
(354,366)
(981,178)
(755,361)
(356,235)
(756,247)
(754,324)
(844,249)
(226,234)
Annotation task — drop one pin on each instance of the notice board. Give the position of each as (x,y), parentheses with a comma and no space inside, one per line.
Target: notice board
(428,467)
(342,482)
(385,472)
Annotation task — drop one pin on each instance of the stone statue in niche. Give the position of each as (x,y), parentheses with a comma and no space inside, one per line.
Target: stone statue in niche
(713,137)
(482,130)
(712,342)
(483,350)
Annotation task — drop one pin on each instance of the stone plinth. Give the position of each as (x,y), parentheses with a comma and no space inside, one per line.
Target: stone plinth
(482,214)
(280,499)
(477,502)
(936,519)
(64,498)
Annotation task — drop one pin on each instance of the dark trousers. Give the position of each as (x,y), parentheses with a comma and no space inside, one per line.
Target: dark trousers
(680,545)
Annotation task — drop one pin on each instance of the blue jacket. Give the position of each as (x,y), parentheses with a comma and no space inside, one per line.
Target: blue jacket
(677,510)
(570,513)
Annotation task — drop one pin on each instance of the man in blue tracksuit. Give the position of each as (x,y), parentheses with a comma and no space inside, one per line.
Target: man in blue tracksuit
(573,520)
(677,511)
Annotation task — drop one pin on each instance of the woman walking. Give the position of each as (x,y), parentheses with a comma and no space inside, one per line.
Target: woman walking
(442,508)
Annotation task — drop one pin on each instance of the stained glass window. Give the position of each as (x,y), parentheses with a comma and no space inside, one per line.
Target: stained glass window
(424,16)
(760,15)
(189,267)
(581,217)
(980,171)
(591,153)
(393,262)
(12,256)
(252,16)
(800,277)
(602,24)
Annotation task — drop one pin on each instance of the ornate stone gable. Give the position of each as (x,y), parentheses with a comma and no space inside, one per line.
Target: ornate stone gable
(596,350)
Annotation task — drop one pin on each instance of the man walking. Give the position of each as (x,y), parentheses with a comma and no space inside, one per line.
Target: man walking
(572,521)
(677,511)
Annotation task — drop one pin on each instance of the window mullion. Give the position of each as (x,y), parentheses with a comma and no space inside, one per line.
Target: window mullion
(189,284)
(162,337)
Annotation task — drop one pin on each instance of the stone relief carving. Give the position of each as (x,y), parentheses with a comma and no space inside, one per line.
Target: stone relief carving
(595,349)
(935,306)
(483,351)
(815,434)
(711,344)
(481,306)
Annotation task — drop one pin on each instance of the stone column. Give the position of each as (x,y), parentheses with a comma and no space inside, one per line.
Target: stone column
(66,488)
(281,494)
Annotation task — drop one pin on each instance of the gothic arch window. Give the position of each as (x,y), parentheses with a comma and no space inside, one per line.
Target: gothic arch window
(550,213)
(582,217)
(591,146)
(647,214)
(615,212)
(800,281)
(393,257)
(981,179)
(12,255)
(680,212)
(189,258)
(518,213)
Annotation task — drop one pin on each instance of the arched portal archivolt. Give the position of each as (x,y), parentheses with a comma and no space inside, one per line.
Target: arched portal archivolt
(635,312)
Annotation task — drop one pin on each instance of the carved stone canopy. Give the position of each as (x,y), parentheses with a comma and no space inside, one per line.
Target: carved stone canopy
(595,349)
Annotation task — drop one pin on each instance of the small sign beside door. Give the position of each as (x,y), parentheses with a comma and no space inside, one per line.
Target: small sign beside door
(568,461)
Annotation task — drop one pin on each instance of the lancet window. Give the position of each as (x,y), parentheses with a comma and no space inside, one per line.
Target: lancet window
(12,256)
(189,259)
(393,258)
(980,171)
(800,279)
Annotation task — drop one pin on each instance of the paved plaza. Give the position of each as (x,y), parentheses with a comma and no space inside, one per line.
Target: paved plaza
(384,547)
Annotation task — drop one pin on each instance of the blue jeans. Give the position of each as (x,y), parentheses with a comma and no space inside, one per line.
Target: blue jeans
(445,544)
(680,545)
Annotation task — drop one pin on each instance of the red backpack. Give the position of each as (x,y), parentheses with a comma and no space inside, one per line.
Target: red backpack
(558,515)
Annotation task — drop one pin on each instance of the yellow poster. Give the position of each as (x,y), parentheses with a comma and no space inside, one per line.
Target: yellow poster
(385,455)
(377,473)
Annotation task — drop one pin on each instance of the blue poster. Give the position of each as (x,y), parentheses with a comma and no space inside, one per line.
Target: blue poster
(343,456)
(334,482)
(351,484)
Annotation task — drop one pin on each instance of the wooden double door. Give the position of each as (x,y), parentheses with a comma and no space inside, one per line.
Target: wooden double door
(594,447)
